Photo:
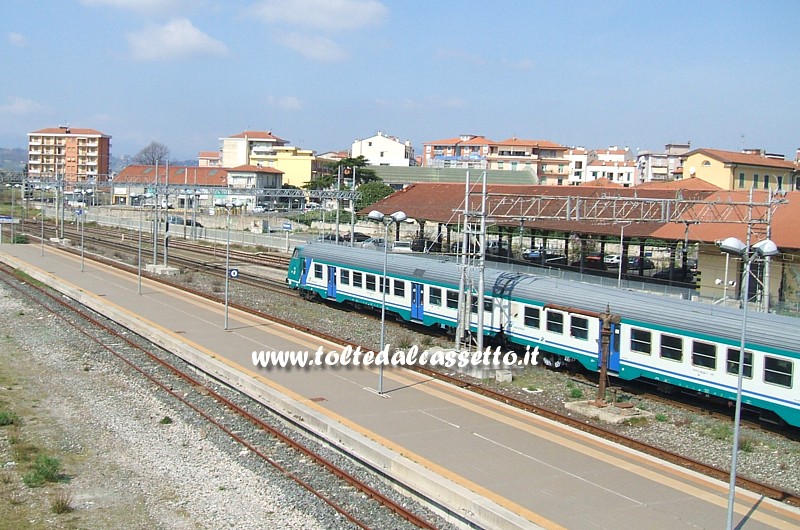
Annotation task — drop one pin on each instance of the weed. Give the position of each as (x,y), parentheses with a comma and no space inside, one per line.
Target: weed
(8,417)
(636,420)
(166,420)
(575,393)
(405,342)
(62,502)
(20,313)
(661,417)
(45,469)
(747,445)
(720,432)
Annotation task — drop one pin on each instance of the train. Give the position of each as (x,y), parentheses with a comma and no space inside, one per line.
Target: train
(676,344)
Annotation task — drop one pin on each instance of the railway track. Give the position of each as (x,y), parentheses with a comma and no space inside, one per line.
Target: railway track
(763,489)
(358,508)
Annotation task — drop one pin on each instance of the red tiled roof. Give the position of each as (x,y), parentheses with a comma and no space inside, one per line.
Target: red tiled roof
(692,183)
(255,169)
(208,154)
(601,183)
(541,144)
(68,130)
(733,157)
(440,203)
(474,140)
(258,135)
(192,176)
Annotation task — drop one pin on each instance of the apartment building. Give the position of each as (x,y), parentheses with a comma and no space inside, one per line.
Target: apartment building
(264,149)
(545,160)
(751,169)
(655,166)
(384,150)
(468,151)
(76,155)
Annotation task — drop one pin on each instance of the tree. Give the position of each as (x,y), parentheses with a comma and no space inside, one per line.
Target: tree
(154,153)
(360,165)
(372,192)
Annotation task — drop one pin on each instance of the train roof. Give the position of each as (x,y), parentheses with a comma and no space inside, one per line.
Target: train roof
(766,329)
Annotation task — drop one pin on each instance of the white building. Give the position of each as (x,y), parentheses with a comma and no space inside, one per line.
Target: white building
(623,173)
(655,166)
(384,150)
(578,158)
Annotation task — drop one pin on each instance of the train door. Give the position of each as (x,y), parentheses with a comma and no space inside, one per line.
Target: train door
(613,349)
(417,308)
(306,268)
(331,281)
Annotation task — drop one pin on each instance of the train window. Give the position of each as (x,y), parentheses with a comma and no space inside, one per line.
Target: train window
(704,355)
(778,371)
(641,341)
(318,270)
(380,284)
(399,288)
(370,282)
(435,296)
(733,363)
(344,277)
(488,305)
(357,279)
(555,322)
(671,347)
(532,318)
(579,327)
(452,299)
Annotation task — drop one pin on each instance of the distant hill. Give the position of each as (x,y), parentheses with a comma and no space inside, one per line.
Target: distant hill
(13,159)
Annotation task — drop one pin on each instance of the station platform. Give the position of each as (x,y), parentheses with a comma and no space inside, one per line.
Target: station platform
(515,470)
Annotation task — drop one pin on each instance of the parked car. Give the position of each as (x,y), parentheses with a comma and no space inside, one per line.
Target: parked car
(401,246)
(259,209)
(358,237)
(635,263)
(612,260)
(373,242)
(496,247)
(539,254)
(425,245)
(591,262)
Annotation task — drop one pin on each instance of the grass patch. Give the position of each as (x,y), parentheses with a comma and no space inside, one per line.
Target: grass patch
(166,420)
(28,278)
(636,420)
(747,445)
(661,417)
(8,417)
(720,432)
(575,393)
(45,469)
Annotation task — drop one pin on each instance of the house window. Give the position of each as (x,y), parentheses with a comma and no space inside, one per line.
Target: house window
(732,366)
(579,327)
(435,296)
(780,182)
(531,319)
(741,180)
(452,299)
(641,341)
(778,371)
(755,180)
(706,163)
(344,277)
(555,322)
(671,347)
(318,271)
(358,279)
(704,355)
(766,182)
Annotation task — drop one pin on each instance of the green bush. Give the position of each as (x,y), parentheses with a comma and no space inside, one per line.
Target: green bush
(45,469)
(8,417)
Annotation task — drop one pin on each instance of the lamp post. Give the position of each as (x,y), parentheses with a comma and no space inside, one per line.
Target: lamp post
(748,254)
(386,220)
(623,258)
(41,215)
(228,205)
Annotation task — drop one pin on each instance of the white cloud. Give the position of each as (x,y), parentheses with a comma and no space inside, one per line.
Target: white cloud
(16,39)
(175,40)
(316,47)
(19,106)
(285,102)
(331,15)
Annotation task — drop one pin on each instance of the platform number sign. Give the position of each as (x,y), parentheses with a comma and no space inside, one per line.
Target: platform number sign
(233,273)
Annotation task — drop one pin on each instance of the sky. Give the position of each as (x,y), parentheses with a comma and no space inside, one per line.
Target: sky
(324,73)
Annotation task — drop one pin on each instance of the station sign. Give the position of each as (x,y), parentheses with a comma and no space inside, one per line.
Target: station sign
(233,273)
(287,226)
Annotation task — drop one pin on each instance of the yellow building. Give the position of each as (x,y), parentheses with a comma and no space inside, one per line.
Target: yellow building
(741,171)
(263,149)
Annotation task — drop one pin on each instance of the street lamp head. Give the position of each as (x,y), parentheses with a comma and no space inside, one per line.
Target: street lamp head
(376,216)
(766,247)
(732,245)
(399,217)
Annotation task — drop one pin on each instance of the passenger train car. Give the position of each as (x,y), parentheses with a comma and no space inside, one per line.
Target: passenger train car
(670,342)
